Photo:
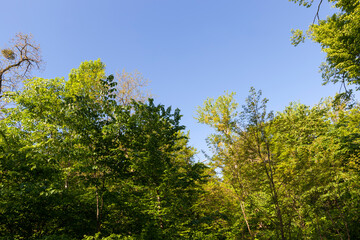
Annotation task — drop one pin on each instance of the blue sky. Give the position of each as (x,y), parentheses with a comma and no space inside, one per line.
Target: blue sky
(188,49)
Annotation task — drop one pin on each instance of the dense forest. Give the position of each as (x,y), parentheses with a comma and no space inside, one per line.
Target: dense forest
(92,157)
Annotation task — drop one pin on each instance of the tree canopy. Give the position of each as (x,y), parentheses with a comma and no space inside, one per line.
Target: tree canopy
(339,38)
(75,162)
(92,157)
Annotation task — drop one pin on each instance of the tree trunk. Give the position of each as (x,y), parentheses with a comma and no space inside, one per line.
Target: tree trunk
(98,220)
(159,208)
(241,197)
(245,218)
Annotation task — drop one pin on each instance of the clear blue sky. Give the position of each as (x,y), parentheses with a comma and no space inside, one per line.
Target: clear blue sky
(188,49)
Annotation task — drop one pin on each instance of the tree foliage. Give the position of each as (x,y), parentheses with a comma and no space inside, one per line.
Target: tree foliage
(90,158)
(339,38)
(292,175)
(75,162)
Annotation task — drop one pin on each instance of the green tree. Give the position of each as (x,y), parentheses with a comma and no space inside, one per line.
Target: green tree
(221,114)
(339,38)
(242,146)
(292,174)
(75,162)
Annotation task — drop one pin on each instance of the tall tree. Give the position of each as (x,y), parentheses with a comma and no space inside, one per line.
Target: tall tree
(292,173)
(242,145)
(98,166)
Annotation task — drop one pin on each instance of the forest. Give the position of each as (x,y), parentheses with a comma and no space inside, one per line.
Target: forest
(94,156)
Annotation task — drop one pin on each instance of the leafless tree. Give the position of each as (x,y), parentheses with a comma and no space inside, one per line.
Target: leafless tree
(131,86)
(17,61)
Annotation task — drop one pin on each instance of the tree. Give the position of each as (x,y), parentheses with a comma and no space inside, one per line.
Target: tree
(92,164)
(242,145)
(339,38)
(221,114)
(291,175)
(17,61)
(131,86)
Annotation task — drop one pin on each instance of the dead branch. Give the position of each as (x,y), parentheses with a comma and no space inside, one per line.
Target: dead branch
(18,61)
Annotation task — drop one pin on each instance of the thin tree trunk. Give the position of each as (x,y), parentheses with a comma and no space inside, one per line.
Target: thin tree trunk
(240,196)
(159,208)
(97,210)
(245,218)
(337,230)
(269,174)
(318,227)
(278,213)
(345,223)
(276,199)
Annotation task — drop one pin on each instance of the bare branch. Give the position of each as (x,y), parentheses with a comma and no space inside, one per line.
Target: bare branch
(131,86)
(317,12)
(18,61)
